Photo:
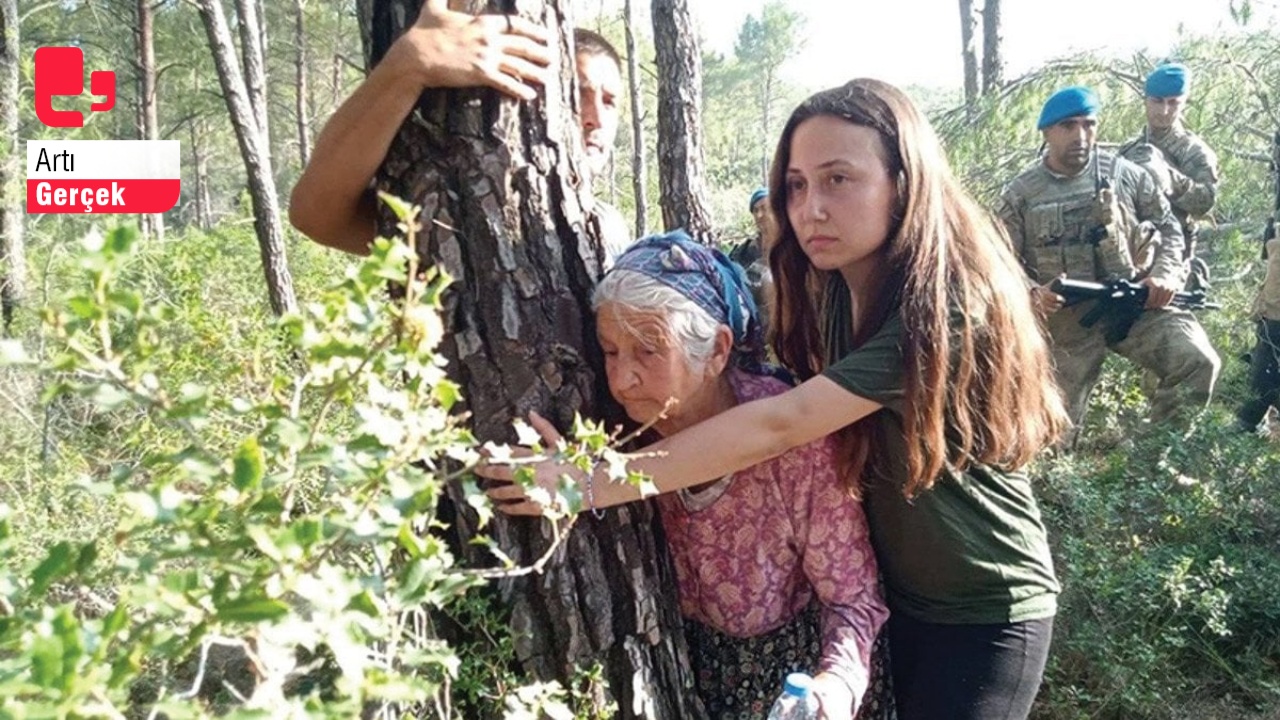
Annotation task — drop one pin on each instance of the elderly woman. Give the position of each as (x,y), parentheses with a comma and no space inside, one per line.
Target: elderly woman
(774,566)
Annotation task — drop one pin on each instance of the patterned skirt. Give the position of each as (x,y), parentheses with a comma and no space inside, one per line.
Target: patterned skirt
(739,678)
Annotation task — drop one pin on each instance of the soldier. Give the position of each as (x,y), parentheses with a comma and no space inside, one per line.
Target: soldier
(752,249)
(333,202)
(750,255)
(1070,214)
(1184,167)
(1264,359)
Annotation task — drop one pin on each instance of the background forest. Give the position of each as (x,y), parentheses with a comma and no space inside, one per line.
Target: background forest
(211,507)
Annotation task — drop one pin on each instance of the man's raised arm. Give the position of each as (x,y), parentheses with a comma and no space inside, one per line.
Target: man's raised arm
(333,202)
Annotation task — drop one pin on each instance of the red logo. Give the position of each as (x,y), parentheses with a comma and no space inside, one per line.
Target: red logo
(60,72)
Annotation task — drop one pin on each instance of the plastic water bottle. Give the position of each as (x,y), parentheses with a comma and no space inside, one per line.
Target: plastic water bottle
(796,701)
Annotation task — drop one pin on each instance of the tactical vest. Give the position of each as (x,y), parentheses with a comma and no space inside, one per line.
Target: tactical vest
(1080,234)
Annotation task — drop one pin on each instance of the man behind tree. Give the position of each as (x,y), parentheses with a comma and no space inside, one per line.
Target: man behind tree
(334,203)
(1069,215)
(1184,167)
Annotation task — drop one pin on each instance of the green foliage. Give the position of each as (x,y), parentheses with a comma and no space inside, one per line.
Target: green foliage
(1166,546)
(238,519)
(1171,579)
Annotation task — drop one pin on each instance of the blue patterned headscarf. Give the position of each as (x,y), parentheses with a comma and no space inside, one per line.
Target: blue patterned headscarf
(708,278)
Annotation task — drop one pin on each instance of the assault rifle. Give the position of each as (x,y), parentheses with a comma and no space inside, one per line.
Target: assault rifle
(1120,303)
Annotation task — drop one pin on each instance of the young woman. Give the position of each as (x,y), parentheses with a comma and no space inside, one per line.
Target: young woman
(773,562)
(901,306)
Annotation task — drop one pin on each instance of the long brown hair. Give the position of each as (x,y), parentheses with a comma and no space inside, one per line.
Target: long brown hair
(979,386)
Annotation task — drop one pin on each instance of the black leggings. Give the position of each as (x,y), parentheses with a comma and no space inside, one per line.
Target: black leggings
(1264,375)
(967,672)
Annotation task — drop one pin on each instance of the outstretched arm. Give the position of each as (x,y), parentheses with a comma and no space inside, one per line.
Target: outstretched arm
(333,203)
(735,439)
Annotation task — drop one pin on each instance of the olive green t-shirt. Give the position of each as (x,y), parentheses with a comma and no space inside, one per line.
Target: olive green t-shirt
(970,550)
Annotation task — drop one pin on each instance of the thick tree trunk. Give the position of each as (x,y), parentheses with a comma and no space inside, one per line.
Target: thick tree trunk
(969,51)
(681,167)
(13,262)
(639,171)
(300,86)
(498,183)
(257,162)
(992,48)
(149,127)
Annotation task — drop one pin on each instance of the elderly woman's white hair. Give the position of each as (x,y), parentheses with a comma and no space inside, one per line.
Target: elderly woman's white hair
(690,327)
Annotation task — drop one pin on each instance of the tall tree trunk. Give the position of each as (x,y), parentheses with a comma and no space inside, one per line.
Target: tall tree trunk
(149,127)
(969,51)
(300,87)
(335,77)
(13,262)
(681,167)
(992,48)
(257,161)
(639,171)
(766,104)
(501,213)
(253,52)
(204,213)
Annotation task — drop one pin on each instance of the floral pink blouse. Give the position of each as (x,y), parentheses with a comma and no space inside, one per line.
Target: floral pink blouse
(753,549)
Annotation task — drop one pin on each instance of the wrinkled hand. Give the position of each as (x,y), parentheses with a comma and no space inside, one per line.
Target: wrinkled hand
(508,495)
(835,698)
(1045,301)
(1160,292)
(445,48)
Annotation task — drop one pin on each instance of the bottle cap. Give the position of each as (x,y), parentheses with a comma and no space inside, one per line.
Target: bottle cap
(797,684)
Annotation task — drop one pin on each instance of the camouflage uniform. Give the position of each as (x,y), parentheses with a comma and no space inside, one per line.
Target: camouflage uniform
(1076,227)
(1185,168)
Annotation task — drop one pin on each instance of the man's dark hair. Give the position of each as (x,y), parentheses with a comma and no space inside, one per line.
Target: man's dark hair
(591,42)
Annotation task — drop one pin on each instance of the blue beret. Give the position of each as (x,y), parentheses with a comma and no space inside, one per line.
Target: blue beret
(1170,80)
(1067,103)
(756,197)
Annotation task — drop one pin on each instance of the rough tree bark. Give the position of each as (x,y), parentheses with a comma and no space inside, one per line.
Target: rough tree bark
(992,48)
(969,51)
(257,161)
(681,167)
(300,85)
(639,171)
(253,52)
(501,189)
(148,123)
(13,263)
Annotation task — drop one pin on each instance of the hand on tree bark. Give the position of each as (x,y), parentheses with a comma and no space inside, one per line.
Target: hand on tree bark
(445,48)
(508,495)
